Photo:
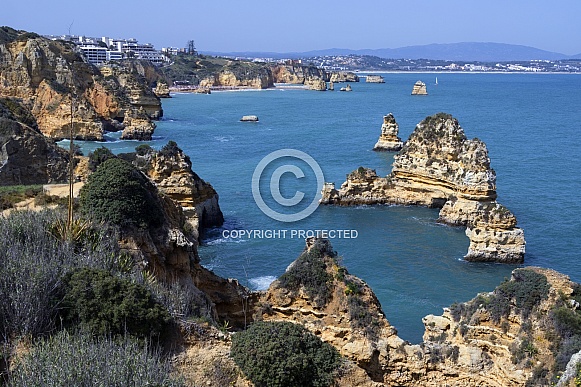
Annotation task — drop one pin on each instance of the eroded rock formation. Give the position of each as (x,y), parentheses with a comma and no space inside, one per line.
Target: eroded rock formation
(374,79)
(317,84)
(297,73)
(50,76)
(258,79)
(419,88)
(388,140)
(171,172)
(344,76)
(509,337)
(439,167)
(26,156)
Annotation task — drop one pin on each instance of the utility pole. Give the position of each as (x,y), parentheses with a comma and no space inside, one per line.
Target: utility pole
(191,48)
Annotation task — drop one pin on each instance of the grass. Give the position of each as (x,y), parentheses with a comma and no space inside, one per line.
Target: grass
(12,194)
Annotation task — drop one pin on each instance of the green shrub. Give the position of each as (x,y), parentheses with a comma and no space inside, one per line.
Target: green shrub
(99,156)
(143,149)
(527,289)
(170,149)
(107,304)
(280,354)
(118,193)
(79,360)
(33,262)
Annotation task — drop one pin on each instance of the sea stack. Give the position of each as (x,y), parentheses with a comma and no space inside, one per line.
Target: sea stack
(440,167)
(419,88)
(388,140)
(374,79)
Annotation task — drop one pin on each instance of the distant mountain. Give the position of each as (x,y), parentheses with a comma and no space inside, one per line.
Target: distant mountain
(466,51)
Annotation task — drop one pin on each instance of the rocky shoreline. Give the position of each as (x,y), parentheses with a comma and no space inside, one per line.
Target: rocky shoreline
(440,167)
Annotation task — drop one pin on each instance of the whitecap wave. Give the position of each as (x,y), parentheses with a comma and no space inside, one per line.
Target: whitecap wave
(262,283)
(219,241)
(224,138)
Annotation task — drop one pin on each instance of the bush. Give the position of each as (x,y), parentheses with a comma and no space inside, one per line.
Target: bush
(527,289)
(79,360)
(98,157)
(118,193)
(170,149)
(107,304)
(33,262)
(144,149)
(282,354)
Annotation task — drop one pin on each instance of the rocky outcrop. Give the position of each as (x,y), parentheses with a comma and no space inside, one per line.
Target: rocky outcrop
(237,79)
(171,172)
(419,88)
(388,140)
(297,74)
(316,84)
(439,167)
(53,82)
(27,157)
(509,337)
(344,76)
(374,79)
(162,90)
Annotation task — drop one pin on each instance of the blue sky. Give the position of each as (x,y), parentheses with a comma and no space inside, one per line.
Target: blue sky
(301,25)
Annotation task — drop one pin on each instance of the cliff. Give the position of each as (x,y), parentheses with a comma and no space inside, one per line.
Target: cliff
(171,172)
(206,71)
(374,79)
(513,336)
(344,76)
(297,74)
(50,76)
(26,156)
(388,140)
(439,167)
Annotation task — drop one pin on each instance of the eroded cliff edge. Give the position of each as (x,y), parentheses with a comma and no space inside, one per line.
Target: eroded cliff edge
(49,77)
(519,334)
(440,167)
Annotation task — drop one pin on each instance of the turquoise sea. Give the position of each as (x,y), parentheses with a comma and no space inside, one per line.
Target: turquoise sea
(530,123)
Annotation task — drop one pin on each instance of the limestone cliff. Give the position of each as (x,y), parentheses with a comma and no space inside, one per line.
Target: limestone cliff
(439,167)
(374,79)
(26,156)
(297,73)
(50,77)
(316,84)
(234,79)
(516,335)
(388,140)
(171,171)
(344,76)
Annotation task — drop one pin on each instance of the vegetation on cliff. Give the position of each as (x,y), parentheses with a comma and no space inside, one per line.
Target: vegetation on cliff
(118,193)
(79,359)
(283,354)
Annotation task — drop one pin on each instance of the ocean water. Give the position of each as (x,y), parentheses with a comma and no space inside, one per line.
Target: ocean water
(530,123)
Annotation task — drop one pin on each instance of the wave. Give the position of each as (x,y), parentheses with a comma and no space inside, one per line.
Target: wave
(262,283)
(224,138)
(220,241)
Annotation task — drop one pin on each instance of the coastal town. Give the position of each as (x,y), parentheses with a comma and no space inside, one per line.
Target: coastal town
(101,50)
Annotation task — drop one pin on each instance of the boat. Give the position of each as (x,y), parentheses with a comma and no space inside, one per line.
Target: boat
(436,81)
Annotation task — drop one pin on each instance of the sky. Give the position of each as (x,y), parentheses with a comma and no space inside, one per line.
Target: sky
(304,25)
